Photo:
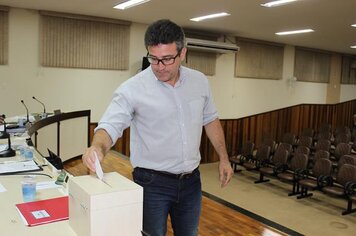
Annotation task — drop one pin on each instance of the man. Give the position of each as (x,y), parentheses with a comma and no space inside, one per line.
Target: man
(166,107)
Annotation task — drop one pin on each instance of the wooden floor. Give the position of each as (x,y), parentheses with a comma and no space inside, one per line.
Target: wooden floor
(216,219)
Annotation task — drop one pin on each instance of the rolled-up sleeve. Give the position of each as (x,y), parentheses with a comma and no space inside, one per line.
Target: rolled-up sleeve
(210,113)
(117,116)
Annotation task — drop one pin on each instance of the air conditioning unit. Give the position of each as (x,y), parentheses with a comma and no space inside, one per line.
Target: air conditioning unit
(211,46)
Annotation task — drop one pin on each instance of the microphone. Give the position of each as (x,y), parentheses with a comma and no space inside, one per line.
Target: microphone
(2,118)
(9,152)
(3,134)
(44,107)
(27,115)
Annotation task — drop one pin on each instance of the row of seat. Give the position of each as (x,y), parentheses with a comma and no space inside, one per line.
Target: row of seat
(342,134)
(264,153)
(307,166)
(344,185)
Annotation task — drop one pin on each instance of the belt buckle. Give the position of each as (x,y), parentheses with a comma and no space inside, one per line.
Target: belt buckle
(181,176)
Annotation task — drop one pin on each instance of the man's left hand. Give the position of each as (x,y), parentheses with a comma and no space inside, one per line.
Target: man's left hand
(225,172)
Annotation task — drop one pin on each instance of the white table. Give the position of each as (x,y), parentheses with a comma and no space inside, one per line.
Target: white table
(11,223)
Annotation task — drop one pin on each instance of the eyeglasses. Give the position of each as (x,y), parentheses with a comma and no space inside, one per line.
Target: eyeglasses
(165,61)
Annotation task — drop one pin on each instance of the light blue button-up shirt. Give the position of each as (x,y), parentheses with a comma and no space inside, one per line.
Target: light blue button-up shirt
(166,122)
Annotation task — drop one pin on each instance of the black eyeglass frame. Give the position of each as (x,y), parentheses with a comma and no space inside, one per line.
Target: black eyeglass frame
(157,61)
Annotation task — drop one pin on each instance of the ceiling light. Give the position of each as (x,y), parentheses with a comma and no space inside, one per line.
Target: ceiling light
(353,47)
(354,25)
(295,32)
(200,18)
(130,3)
(277,3)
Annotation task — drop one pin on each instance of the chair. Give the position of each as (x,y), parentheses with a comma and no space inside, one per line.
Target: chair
(350,192)
(345,159)
(340,150)
(270,142)
(345,178)
(302,149)
(305,141)
(324,135)
(289,138)
(320,154)
(323,144)
(279,164)
(342,138)
(297,167)
(262,156)
(287,147)
(310,181)
(246,153)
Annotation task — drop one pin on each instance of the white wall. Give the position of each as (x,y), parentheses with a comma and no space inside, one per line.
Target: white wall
(348,92)
(77,89)
(239,97)
(58,88)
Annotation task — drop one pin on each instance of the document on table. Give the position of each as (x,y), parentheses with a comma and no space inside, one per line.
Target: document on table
(18,166)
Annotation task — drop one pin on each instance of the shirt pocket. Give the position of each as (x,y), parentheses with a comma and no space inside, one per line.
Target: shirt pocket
(196,107)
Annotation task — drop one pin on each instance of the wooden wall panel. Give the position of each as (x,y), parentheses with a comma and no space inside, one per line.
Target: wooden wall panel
(274,123)
(122,145)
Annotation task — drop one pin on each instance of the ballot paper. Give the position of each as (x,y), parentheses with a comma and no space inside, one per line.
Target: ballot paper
(2,188)
(98,170)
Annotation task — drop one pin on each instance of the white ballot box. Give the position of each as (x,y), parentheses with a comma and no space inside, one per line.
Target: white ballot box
(110,208)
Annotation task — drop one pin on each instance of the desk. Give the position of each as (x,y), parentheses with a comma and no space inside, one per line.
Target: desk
(118,206)
(10,220)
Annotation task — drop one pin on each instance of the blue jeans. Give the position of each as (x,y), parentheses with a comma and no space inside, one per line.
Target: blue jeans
(163,195)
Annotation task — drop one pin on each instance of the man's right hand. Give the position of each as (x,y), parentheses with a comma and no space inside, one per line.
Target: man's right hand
(89,157)
(100,145)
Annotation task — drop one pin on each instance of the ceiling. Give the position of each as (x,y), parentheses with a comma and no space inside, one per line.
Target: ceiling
(331,19)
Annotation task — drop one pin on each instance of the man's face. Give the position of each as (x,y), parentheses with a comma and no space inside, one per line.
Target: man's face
(166,73)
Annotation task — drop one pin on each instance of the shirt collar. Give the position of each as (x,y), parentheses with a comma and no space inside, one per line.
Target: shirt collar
(180,80)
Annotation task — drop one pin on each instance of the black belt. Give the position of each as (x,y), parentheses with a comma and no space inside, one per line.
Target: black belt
(171,175)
